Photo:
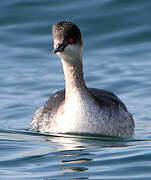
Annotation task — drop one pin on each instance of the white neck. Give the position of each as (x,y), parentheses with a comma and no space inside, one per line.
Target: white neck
(73,70)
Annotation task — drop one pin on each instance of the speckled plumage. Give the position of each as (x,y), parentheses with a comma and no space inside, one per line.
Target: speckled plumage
(79,109)
(113,118)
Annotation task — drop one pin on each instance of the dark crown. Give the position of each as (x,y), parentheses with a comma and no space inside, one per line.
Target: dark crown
(65,30)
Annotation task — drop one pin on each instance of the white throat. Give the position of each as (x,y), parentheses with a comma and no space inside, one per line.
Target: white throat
(71,54)
(71,59)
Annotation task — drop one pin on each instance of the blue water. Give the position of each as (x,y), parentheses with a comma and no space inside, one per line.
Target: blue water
(117,53)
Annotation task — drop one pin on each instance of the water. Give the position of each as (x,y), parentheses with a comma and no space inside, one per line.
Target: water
(117,52)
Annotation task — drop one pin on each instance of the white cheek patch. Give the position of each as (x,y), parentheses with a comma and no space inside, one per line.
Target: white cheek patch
(71,53)
(71,48)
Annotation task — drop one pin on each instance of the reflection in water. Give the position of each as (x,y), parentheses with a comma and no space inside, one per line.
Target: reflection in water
(82,178)
(73,142)
(73,153)
(76,160)
(74,169)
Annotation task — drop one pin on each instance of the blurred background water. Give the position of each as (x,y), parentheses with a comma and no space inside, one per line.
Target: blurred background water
(117,53)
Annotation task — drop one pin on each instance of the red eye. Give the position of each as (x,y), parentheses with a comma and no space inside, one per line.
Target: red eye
(70,40)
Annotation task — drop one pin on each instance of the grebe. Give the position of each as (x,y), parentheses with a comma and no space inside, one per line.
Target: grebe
(78,109)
